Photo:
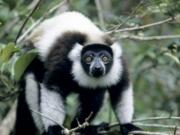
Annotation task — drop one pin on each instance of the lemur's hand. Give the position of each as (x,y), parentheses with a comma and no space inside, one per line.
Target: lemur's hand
(54,130)
(95,129)
(126,128)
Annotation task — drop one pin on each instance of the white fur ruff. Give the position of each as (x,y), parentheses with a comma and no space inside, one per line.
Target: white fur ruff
(84,80)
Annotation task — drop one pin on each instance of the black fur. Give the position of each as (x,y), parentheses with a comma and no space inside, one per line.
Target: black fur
(97,47)
(88,105)
(54,130)
(116,90)
(61,48)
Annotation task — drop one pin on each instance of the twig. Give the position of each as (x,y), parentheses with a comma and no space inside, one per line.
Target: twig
(26,20)
(157,118)
(83,125)
(100,12)
(128,18)
(47,117)
(147,133)
(175,129)
(88,118)
(9,95)
(163,37)
(158,125)
(40,20)
(143,26)
(150,118)
(139,133)
(65,130)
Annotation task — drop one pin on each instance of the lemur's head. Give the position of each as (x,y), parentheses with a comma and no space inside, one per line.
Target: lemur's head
(96,65)
(96,59)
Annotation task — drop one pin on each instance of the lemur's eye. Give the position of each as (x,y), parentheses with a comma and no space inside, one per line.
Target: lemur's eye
(105,59)
(88,59)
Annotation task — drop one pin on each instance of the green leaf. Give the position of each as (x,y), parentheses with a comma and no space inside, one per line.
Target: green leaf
(22,63)
(7,52)
(172,57)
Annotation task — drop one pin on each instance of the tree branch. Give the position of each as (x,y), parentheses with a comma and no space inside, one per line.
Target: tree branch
(135,37)
(147,133)
(100,12)
(158,125)
(157,118)
(26,20)
(65,130)
(127,19)
(143,26)
(50,11)
(47,117)
(4,97)
(80,126)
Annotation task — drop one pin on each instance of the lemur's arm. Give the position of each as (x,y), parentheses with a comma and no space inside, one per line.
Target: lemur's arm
(122,101)
(52,105)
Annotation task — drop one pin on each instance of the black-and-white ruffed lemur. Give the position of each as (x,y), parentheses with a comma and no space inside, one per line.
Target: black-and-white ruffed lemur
(74,56)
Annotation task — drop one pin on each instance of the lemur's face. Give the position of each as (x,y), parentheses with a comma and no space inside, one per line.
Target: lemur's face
(96,61)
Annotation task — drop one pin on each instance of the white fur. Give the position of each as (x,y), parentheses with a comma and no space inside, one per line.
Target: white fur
(75,53)
(53,28)
(51,106)
(124,109)
(31,95)
(85,80)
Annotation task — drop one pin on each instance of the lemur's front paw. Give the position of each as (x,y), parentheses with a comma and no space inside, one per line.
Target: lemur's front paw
(54,130)
(95,129)
(126,128)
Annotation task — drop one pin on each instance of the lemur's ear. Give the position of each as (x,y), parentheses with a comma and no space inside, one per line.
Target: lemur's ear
(116,48)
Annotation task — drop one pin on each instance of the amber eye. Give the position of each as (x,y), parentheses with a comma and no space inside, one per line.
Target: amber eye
(105,59)
(88,59)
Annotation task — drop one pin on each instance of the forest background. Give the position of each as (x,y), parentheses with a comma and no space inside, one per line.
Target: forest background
(149,31)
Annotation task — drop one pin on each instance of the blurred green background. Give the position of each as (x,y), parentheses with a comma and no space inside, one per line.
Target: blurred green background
(153,63)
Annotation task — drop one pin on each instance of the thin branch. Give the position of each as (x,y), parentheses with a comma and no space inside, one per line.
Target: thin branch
(88,118)
(2,98)
(65,130)
(47,117)
(142,38)
(175,130)
(50,11)
(29,30)
(147,133)
(137,132)
(26,20)
(128,18)
(146,119)
(143,26)
(80,126)
(100,12)
(157,118)
(158,125)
